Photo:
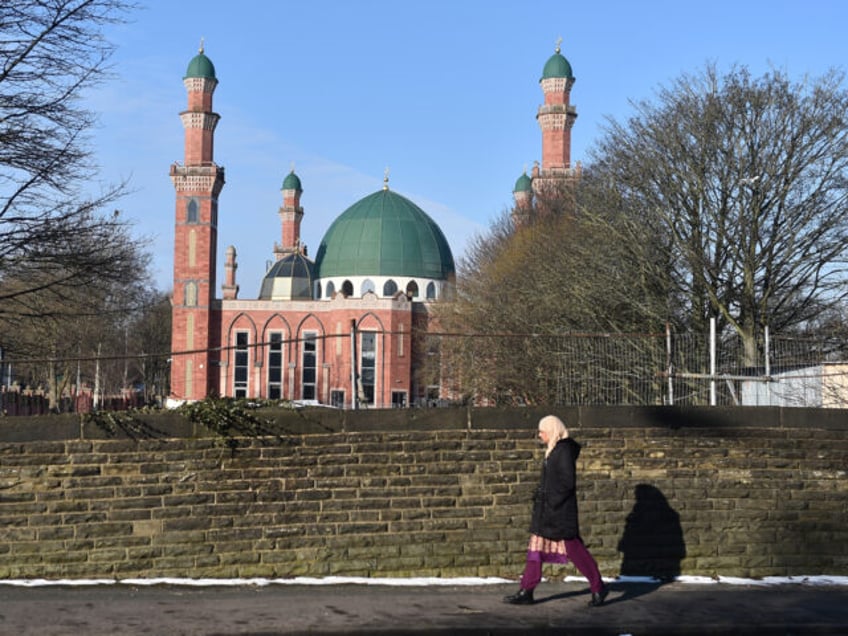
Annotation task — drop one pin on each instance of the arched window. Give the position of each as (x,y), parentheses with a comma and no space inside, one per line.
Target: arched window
(241,364)
(331,289)
(191,211)
(309,366)
(318,291)
(347,289)
(412,289)
(367,286)
(389,288)
(367,366)
(275,365)
(431,290)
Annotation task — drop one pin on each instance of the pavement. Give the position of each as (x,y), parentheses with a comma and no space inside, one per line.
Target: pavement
(635,609)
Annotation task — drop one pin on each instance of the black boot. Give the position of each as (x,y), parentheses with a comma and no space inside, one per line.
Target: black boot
(599,597)
(521,597)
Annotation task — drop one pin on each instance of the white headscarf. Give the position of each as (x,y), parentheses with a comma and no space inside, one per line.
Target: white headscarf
(555,429)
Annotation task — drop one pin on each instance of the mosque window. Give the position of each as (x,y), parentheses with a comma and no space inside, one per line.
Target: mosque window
(275,366)
(431,290)
(309,366)
(398,399)
(347,289)
(331,289)
(317,291)
(367,286)
(367,366)
(412,289)
(240,368)
(192,211)
(390,288)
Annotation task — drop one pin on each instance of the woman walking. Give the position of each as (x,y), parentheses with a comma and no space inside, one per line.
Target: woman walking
(554,530)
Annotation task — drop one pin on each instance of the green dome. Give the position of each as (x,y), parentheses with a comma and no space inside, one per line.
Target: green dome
(524,184)
(557,66)
(200,66)
(292,182)
(384,234)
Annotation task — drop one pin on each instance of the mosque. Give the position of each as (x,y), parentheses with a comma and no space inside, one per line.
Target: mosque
(348,328)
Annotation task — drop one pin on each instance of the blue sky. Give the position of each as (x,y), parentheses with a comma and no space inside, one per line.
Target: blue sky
(443,93)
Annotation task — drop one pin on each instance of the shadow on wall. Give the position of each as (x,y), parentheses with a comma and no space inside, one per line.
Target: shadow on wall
(652,544)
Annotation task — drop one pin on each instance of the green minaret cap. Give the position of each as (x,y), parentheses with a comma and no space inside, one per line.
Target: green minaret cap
(557,66)
(200,66)
(523,184)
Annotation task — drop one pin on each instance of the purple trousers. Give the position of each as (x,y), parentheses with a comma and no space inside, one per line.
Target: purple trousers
(576,552)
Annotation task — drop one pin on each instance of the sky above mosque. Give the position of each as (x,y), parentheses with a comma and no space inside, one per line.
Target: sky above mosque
(442,93)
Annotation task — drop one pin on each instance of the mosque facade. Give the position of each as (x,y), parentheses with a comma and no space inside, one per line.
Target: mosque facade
(347,329)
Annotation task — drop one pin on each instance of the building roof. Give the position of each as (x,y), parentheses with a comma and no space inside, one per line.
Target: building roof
(557,66)
(290,278)
(384,234)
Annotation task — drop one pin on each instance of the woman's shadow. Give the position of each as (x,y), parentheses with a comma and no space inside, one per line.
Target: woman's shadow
(652,545)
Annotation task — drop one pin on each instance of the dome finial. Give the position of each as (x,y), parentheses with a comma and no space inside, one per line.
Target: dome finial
(386,179)
(292,167)
(201,45)
(558,44)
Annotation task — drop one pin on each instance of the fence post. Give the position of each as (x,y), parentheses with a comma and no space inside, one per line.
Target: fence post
(353,386)
(712,361)
(767,354)
(669,364)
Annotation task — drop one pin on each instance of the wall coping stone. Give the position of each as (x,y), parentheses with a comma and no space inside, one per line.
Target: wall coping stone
(316,421)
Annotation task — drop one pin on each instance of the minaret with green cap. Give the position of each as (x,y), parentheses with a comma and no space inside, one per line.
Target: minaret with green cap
(523,195)
(291,215)
(198,182)
(556,116)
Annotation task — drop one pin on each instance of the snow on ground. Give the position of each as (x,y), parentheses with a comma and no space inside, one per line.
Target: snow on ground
(417,582)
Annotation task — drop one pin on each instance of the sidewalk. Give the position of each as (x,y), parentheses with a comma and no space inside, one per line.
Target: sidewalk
(638,609)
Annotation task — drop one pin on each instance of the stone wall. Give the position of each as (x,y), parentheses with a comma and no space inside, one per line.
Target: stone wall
(734,492)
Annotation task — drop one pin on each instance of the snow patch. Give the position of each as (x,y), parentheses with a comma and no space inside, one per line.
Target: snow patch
(817,580)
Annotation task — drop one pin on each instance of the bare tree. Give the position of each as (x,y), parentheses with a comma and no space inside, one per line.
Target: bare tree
(52,236)
(150,340)
(746,182)
(64,335)
(525,293)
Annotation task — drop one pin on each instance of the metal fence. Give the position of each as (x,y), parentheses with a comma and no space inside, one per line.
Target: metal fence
(605,369)
(655,369)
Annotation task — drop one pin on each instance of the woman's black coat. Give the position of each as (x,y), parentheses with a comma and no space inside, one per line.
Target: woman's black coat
(555,501)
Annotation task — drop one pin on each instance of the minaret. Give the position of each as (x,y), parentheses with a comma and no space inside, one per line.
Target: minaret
(291,214)
(522,210)
(556,117)
(198,182)
(230,289)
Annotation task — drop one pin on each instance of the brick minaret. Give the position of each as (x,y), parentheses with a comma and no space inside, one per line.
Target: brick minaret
(556,118)
(198,182)
(230,289)
(291,214)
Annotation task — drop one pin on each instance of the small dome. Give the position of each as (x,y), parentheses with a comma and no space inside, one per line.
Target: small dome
(557,66)
(200,66)
(290,278)
(523,184)
(385,234)
(292,182)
